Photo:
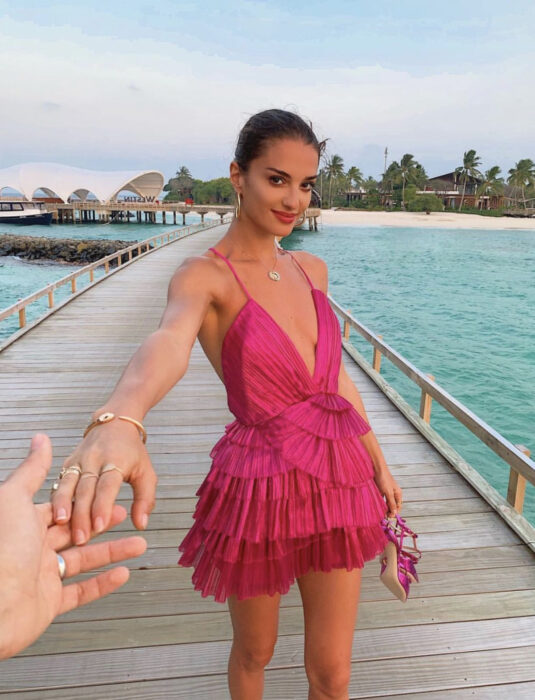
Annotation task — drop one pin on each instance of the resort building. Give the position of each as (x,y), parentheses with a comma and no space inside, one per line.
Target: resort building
(448,188)
(63,183)
(355,194)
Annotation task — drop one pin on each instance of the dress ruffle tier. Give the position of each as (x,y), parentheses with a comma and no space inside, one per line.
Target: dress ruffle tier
(290,493)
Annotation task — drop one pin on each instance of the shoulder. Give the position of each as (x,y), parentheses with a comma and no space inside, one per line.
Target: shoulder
(198,274)
(315,267)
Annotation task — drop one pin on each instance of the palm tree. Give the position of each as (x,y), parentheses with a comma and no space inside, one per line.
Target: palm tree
(370,183)
(323,172)
(522,175)
(468,170)
(391,176)
(492,184)
(355,177)
(419,176)
(407,171)
(334,170)
(407,167)
(181,183)
(183,171)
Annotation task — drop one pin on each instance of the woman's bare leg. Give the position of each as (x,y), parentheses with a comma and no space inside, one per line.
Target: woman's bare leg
(330,603)
(255,622)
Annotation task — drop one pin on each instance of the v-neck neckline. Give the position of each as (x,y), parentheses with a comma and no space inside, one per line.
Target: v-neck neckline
(311,376)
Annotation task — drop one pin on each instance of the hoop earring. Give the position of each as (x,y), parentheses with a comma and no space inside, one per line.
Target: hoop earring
(237,210)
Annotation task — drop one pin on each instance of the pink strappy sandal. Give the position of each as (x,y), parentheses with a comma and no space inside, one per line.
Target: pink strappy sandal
(399,559)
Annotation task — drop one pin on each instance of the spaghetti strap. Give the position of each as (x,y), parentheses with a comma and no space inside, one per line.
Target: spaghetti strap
(233,271)
(302,268)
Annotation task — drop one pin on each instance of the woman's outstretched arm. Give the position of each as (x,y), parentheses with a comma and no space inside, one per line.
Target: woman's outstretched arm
(158,364)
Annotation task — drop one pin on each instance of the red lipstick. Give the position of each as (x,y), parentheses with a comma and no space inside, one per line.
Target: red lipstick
(284,217)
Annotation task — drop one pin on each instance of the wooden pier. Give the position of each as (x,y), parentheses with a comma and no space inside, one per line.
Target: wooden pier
(139,212)
(126,211)
(467,630)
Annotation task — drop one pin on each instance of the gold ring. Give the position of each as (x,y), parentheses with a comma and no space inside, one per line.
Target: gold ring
(72,469)
(109,468)
(86,474)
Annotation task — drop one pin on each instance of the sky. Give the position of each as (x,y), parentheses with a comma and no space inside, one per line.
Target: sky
(139,85)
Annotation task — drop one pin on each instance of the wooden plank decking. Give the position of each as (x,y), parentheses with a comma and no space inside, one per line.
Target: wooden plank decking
(466,631)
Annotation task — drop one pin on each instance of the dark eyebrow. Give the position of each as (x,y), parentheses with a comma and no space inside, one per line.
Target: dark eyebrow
(281,172)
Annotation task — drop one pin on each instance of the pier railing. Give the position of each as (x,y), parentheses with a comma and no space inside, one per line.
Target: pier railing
(517,457)
(110,264)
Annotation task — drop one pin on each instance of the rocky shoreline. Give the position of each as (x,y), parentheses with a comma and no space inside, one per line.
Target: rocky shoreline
(67,250)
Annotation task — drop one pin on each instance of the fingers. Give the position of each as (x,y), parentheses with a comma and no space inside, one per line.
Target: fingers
(76,594)
(394,501)
(399,498)
(107,490)
(80,518)
(62,497)
(89,557)
(31,473)
(79,560)
(60,536)
(144,485)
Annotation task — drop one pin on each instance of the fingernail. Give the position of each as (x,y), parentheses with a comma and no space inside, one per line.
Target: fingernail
(61,514)
(144,520)
(37,441)
(99,525)
(79,537)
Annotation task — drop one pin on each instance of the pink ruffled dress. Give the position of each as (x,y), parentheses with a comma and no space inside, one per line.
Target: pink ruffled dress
(291,486)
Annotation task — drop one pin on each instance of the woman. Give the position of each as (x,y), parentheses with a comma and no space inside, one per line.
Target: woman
(298,482)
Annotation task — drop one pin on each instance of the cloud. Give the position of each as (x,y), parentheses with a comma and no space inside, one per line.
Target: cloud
(150,102)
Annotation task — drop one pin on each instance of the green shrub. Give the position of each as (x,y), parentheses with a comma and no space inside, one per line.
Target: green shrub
(475,210)
(425,202)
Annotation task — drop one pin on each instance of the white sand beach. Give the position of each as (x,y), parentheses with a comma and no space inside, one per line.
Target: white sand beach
(423,220)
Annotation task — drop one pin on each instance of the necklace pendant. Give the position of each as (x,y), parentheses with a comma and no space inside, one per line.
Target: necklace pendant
(272,274)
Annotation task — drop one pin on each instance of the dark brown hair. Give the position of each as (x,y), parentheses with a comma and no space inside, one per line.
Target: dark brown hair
(267,126)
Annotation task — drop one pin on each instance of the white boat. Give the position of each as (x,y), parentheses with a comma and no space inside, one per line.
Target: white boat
(18,212)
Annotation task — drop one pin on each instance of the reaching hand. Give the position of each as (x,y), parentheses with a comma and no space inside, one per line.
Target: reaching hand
(110,454)
(32,590)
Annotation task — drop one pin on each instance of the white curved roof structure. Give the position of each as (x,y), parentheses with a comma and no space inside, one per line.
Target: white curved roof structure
(63,181)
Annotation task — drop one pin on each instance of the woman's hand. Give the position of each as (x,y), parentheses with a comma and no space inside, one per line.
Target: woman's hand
(389,488)
(32,590)
(115,443)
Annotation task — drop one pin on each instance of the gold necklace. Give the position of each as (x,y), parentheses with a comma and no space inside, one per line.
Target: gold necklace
(273,274)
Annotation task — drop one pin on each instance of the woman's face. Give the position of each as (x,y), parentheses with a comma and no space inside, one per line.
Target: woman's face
(278,182)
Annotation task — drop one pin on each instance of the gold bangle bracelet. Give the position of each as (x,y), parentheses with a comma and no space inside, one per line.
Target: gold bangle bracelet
(107,417)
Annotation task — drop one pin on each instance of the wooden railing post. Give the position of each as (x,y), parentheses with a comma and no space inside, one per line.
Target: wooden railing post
(107,266)
(346,326)
(73,285)
(51,299)
(377,355)
(425,403)
(92,274)
(516,489)
(22,317)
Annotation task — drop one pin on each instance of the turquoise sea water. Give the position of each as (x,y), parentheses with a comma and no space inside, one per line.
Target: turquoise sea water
(19,278)
(458,304)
